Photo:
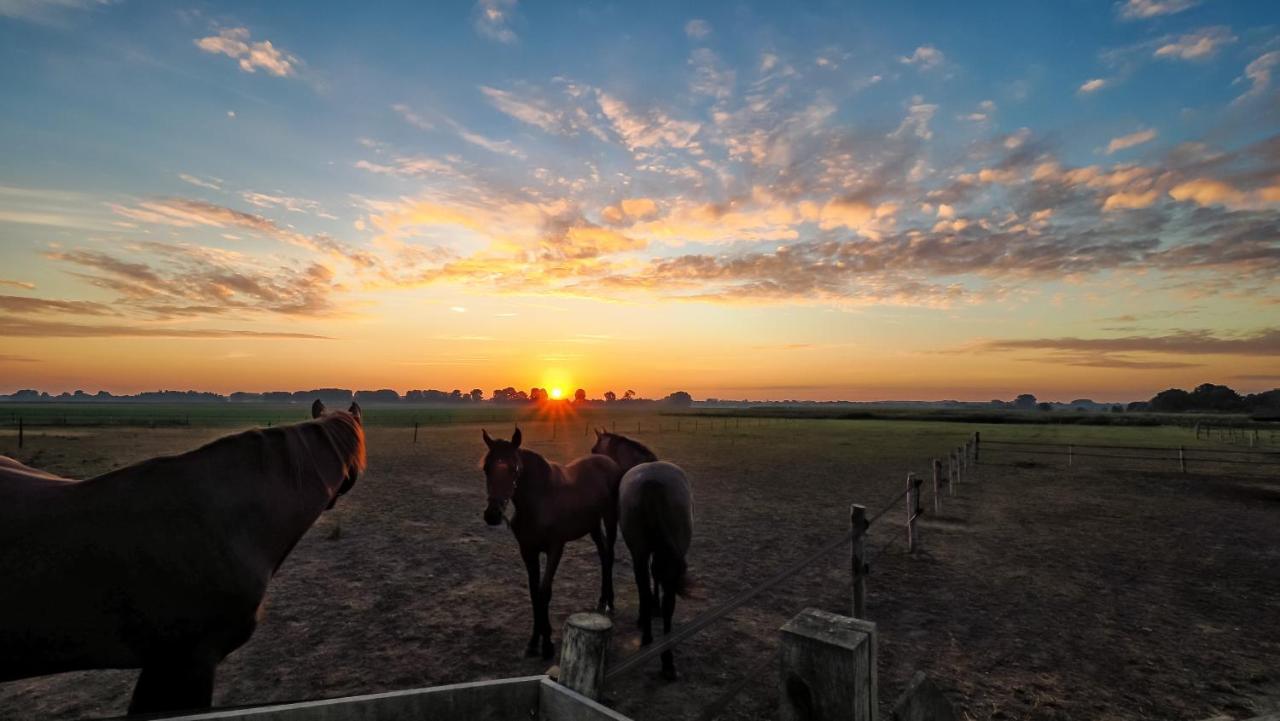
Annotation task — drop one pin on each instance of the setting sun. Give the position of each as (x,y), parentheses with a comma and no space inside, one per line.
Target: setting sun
(556,394)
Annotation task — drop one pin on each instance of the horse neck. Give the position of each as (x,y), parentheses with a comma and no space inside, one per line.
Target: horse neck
(628,456)
(534,480)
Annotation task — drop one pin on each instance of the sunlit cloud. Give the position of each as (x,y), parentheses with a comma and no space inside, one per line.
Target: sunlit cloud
(697,29)
(251,56)
(18,327)
(1199,45)
(1258,73)
(1128,141)
(22,284)
(209,183)
(1092,86)
(1143,9)
(493,20)
(925,57)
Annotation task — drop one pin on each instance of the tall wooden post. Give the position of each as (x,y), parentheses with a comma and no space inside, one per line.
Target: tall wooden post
(858,558)
(415,432)
(977,442)
(1182,458)
(937,478)
(913,511)
(582,653)
(828,668)
(1071,455)
(20,432)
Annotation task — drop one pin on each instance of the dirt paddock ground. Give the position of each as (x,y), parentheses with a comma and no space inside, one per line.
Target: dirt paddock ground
(1041,592)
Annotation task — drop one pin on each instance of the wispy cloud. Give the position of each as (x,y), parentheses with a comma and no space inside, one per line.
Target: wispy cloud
(1092,85)
(23,328)
(46,11)
(1264,342)
(18,284)
(697,28)
(1199,45)
(493,20)
(251,56)
(1258,73)
(25,305)
(1130,140)
(210,183)
(925,57)
(1143,9)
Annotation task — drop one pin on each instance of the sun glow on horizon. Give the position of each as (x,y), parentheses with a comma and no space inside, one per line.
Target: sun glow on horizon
(557,394)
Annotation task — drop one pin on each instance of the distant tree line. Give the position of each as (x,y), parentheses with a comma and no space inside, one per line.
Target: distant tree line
(508,395)
(1211,398)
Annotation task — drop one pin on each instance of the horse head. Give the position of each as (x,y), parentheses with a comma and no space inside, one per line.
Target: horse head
(502,468)
(354,462)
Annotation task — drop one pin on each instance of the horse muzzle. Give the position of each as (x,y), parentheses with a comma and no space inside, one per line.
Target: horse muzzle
(493,513)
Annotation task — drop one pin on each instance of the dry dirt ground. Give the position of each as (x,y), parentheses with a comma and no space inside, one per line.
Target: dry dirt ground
(1041,592)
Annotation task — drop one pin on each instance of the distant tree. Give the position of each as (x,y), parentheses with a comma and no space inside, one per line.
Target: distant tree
(1172,400)
(538,395)
(1117,409)
(1025,402)
(1138,407)
(1210,397)
(580,396)
(456,395)
(610,396)
(382,395)
(1044,406)
(629,396)
(477,395)
(679,399)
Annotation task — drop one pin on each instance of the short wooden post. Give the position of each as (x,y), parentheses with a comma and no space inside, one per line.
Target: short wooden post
(1182,458)
(415,432)
(1071,454)
(828,668)
(20,432)
(913,511)
(582,653)
(858,557)
(937,478)
(977,442)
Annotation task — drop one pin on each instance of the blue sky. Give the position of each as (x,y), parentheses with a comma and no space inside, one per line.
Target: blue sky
(977,185)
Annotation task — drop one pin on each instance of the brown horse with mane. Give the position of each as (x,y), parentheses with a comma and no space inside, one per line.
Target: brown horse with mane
(554,504)
(162,565)
(655,510)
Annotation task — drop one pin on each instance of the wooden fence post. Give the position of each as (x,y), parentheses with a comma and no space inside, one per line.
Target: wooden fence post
(1071,455)
(415,432)
(858,557)
(582,653)
(977,442)
(913,511)
(1182,458)
(937,478)
(20,432)
(827,668)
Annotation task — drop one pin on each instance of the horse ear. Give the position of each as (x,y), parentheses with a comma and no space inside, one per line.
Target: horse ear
(515,437)
(354,410)
(599,435)
(487,440)
(317,409)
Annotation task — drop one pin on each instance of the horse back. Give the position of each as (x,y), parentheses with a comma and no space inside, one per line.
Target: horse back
(655,507)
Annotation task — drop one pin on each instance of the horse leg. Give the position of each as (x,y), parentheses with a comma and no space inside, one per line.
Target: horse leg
(531,564)
(166,686)
(553,561)
(668,609)
(640,563)
(605,605)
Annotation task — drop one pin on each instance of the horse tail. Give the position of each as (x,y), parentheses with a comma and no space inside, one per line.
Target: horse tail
(669,562)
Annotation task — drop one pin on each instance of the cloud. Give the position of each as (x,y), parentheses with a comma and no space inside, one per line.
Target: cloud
(654,129)
(413,166)
(711,77)
(22,328)
(1092,86)
(559,116)
(1130,140)
(493,18)
(235,44)
(5,358)
(697,29)
(21,304)
(46,11)
(18,284)
(925,57)
(1258,73)
(413,118)
(1199,45)
(1265,342)
(210,183)
(985,110)
(1143,9)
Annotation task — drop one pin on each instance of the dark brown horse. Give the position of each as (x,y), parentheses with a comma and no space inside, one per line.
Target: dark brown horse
(554,504)
(655,509)
(162,565)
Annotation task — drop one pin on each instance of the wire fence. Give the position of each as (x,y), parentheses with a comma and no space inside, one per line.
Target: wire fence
(1181,457)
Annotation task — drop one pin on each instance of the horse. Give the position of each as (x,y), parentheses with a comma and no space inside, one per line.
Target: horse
(655,510)
(554,504)
(162,565)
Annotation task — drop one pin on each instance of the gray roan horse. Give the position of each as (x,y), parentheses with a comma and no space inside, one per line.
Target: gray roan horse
(655,510)
(554,504)
(162,565)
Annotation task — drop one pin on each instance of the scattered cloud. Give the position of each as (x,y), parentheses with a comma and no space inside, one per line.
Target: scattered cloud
(493,20)
(697,29)
(1143,9)
(1264,342)
(23,328)
(25,305)
(1130,140)
(1199,45)
(210,183)
(235,44)
(925,57)
(1258,73)
(18,284)
(6,358)
(49,12)
(1093,85)
(413,118)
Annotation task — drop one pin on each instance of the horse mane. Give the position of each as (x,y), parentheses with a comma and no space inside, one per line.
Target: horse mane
(340,431)
(536,468)
(635,446)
